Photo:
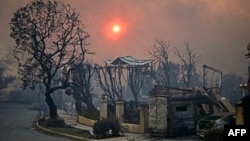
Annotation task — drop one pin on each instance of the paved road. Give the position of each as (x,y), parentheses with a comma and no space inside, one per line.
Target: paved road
(15,124)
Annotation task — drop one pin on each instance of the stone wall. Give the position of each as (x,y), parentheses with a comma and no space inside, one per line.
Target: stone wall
(158,113)
(85,121)
(126,127)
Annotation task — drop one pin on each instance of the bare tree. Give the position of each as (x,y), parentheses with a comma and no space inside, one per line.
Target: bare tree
(231,88)
(188,61)
(82,85)
(49,38)
(160,53)
(109,79)
(134,76)
(174,74)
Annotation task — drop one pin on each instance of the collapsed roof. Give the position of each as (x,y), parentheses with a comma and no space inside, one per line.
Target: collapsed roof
(128,60)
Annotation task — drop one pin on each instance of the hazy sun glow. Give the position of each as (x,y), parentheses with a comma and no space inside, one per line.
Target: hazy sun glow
(115,29)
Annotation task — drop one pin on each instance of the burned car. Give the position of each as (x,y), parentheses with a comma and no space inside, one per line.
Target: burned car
(214,121)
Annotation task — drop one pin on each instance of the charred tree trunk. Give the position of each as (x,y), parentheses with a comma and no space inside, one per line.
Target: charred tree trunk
(91,106)
(136,96)
(79,106)
(52,106)
(136,100)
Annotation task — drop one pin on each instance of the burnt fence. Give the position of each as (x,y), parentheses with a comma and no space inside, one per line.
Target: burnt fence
(131,112)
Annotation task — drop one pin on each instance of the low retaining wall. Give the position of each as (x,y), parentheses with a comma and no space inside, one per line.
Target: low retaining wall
(132,128)
(126,127)
(85,121)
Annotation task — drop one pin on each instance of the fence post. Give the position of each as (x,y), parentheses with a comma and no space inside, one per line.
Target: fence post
(239,113)
(120,110)
(144,116)
(103,106)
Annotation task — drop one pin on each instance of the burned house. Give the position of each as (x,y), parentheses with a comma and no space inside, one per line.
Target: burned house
(176,111)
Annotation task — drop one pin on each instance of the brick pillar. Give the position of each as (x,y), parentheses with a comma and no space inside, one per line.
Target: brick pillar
(144,117)
(246,108)
(239,114)
(119,110)
(103,106)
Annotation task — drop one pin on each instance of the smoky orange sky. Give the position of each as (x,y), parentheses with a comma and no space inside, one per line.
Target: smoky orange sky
(219,30)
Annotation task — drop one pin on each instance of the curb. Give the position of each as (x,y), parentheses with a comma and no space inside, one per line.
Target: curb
(62,134)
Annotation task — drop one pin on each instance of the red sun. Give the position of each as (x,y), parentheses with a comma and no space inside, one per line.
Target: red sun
(115,29)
